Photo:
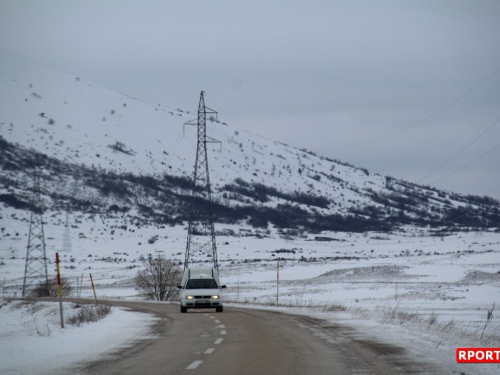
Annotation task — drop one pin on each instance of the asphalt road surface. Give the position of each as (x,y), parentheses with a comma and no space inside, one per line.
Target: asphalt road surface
(247,341)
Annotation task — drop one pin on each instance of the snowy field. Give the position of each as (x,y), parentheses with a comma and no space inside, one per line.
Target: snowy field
(429,294)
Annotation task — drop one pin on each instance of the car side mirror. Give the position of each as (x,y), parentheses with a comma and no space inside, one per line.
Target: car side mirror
(223,287)
(179,286)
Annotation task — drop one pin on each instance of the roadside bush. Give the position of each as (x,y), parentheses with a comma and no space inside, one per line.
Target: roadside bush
(399,315)
(89,314)
(49,289)
(159,279)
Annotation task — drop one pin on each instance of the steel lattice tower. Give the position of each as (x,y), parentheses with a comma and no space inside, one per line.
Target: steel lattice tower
(201,234)
(36,261)
(66,248)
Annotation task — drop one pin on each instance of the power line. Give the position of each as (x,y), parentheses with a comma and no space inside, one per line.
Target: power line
(289,214)
(234,120)
(416,123)
(462,150)
(220,108)
(172,154)
(465,166)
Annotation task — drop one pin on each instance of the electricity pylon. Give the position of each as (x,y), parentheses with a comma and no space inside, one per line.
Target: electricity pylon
(36,261)
(201,234)
(66,248)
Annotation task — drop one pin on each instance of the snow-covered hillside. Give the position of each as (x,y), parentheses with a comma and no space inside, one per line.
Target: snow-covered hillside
(98,148)
(76,121)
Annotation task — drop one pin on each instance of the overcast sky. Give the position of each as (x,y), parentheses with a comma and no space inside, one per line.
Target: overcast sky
(409,89)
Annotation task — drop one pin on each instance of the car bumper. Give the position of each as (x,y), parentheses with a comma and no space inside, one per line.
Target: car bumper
(202,305)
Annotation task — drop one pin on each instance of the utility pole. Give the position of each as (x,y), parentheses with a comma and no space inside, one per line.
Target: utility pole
(201,234)
(36,261)
(59,290)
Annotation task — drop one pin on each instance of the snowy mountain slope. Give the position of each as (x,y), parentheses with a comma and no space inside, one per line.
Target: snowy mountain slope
(100,149)
(126,175)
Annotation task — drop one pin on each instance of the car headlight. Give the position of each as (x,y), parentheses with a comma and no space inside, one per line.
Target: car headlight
(215,297)
(189,297)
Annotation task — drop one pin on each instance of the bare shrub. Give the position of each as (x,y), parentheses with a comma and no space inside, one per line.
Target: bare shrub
(333,307)
(448,331)
(432,319)
(490,336)
(299,303)
(89,314)
(397,314)
(489,317)
(159,279)
(50,289)
(447,327)
(42,330)
(121,147)
(34,327)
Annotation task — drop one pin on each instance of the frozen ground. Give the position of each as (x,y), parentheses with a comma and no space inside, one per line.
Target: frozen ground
(429,294)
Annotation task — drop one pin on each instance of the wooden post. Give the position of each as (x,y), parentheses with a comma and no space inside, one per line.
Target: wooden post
(59,289)
(93,288)
(81,285)
(278,284)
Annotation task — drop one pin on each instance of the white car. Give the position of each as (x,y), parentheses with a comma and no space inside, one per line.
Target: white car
(201,289)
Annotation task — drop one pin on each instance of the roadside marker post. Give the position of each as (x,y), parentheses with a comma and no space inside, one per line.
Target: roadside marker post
(59,288)
(81,285)
(93,288)
(278,284)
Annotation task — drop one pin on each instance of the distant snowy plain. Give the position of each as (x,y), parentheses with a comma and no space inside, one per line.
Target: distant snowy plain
(428,294)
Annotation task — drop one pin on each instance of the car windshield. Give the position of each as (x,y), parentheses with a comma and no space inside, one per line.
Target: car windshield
(201,284)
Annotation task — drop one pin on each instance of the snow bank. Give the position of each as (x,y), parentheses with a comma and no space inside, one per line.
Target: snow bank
(32,341)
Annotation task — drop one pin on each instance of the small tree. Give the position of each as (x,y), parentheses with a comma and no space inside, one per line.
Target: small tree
(159,279)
